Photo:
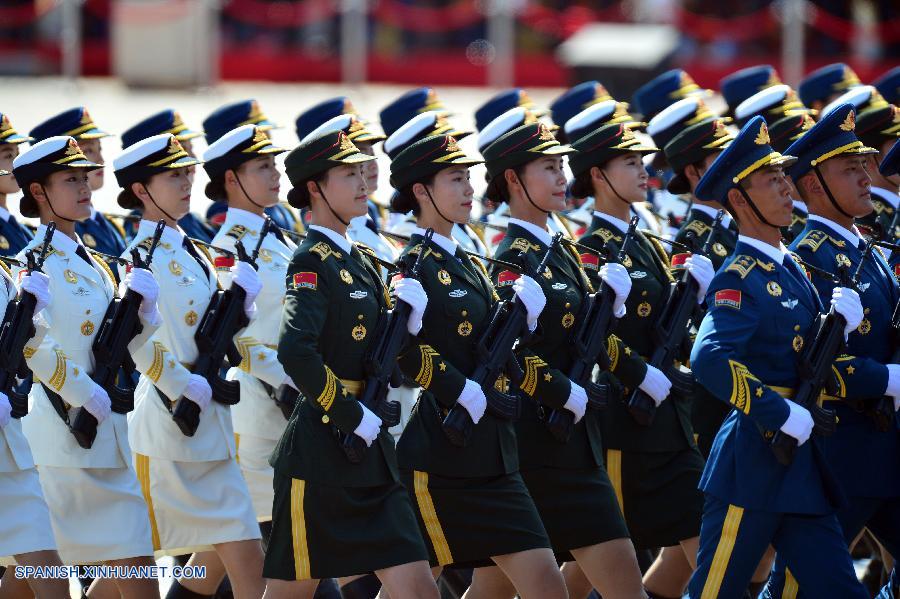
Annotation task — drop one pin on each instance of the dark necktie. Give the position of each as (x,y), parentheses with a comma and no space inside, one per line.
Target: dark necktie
(190,249)
(82,253)
(276,231)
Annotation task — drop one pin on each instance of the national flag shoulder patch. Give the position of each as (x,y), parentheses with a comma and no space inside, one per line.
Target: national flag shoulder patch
(897,271)
(678,260)
(590,261)
(306,280)
(506,278)
(729,297)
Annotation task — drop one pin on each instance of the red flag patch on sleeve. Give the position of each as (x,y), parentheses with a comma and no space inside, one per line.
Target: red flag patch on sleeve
(306,280)
(224,262)
(729,297)
(590,261)
(678,260)
(897,271)
(506,277)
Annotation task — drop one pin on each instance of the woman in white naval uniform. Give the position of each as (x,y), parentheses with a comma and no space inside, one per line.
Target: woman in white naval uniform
(26,537)
(96,508)
(241,167)
(197,498)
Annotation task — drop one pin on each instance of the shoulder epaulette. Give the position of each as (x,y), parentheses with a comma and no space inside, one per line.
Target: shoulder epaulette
(148,241)
(606,235)
(5,268)
(364,249)
(697,226)
(418,248)
(237,232)
(40,248)
(742,265)
(523,245)
(815,239)
(324,251)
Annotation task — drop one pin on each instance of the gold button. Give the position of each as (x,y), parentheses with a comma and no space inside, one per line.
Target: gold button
(465,312)
(325,419)
(568,304)
(644,293)
(796,327)
(87,311)
(191,303)
(360,317)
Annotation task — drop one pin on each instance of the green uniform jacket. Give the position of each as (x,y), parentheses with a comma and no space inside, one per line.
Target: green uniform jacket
(708,413)
(566,289)
(460,302)
(648,266)
(333,303)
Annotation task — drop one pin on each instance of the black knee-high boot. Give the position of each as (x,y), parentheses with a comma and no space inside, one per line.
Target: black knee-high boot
(176,591)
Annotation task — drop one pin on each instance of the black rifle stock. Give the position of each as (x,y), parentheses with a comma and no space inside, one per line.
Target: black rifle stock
(590,347)
(121,324)
(223,318)
(669,331)
(382,368)
(495,356)
(16,330)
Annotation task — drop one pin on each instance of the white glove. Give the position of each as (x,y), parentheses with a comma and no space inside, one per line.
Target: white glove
(656,385)
(198,391)
(368,427)
(577,402)
(846,303)
(702,271)
(245,276)
(473,400)
(799,423)
(410,291)
(893,386)
(141,280)
(532,297)
(5,410)
(38,285)
(99,405)
(616,276)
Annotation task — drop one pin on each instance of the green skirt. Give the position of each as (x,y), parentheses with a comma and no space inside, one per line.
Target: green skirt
(321,531)
(466,521)
(658,494)
(578,507)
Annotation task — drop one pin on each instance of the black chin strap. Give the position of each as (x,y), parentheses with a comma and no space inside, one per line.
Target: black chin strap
(608,182)
(327,203)
(49,203)
(828,193)
(158,207)
(528,195)
(436,209)
(247,195)
(756,211)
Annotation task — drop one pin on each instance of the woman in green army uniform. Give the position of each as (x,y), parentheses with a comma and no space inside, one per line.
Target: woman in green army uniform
(332,518)
(654,469)
(472,504)
(567,480)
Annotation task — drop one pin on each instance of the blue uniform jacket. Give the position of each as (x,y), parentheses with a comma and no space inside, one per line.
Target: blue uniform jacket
(866,461)
(100,234)
(758,314)
(13,236)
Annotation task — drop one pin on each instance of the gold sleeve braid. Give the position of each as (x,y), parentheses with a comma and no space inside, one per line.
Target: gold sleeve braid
(426,370)
(532,365)
(740,386)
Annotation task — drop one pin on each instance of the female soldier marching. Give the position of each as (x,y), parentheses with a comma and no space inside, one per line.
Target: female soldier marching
(654,469)
(567,479)
(96,507)
(335,298)
(192,485)
(471,501)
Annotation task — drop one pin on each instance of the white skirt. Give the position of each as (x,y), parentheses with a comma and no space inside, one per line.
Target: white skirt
(98,514)
(195,505)
(24,517)
(253,457)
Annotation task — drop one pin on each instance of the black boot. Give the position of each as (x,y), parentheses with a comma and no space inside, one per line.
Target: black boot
(265,529)
(176,591)
(327,589)
(453,582)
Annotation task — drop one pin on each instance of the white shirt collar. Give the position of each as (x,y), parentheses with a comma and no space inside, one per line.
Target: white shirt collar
(4,213)
(59,241)
(618,223)
(540,234)
(775,253)
(801,206)
(340,240)
(237,216)
(174,237)
(447,244)
(726,221)
(93,212)
(887,195)
(852,237)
